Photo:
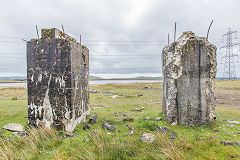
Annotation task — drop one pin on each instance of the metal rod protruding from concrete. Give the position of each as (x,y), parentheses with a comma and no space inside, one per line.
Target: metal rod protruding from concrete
(80,39)
(168,38)
(37,31)
(209,29)
(175,28)
(63,29)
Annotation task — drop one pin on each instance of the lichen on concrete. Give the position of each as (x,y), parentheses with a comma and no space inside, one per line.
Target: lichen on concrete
(58,69)
(189,70)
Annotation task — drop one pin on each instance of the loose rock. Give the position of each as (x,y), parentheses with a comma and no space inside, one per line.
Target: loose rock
(234,122)
(148,118)
(115,96)
(85,127)
(173,136)
(163,130)
(139,95)
(147,137)
(128,119)
(131,129)
(230,125)
(105,125)
(93,91)
(237,143)
(226,143)
(158,119)
(93,119)
(137,110)
(14,127)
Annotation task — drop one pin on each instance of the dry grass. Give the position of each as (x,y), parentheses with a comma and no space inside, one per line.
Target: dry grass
(25,147)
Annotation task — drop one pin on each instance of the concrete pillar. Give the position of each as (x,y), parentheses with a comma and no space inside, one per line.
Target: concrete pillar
(57,78)
(189,70)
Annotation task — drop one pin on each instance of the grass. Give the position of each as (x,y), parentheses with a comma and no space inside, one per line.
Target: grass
(96,143)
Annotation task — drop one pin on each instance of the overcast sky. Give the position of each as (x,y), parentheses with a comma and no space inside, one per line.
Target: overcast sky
(112,29)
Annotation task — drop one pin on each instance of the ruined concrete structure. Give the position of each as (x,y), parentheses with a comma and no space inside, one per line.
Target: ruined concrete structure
(189,69)
(57,78)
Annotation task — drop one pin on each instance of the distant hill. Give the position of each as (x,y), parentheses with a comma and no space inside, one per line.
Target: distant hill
(21,78)
(94,77)
(142,77)
(18,78)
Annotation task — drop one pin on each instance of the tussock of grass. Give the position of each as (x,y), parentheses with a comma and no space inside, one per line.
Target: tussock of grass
(38,140)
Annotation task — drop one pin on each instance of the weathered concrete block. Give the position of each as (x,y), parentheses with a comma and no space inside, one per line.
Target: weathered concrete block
(189,70)
(57,78)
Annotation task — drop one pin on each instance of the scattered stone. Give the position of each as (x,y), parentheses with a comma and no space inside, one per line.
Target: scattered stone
(174,123)
(226,143)
(14,127)
(148,118)
(131,129)
(215,130)
(100,106)
(234,122)
(230,125)
(237,143)
(93,91)
(216,137)
(119,130)
(137,110)
(238,132)
(105,125)
(139,95)
(163,130)
(106,106)
(147,137)
(128,119)
(142,108)
(85,127)
(115,96)
(69,134)
(173,136)
(117,114)
(148,88)
(93,119)
(117,120)
(22,133)
(109,93)
(158,119)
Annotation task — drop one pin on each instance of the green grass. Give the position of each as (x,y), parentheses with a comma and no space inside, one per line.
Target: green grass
(96,143)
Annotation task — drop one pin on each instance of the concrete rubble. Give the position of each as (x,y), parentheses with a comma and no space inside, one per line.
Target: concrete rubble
(57,79)
(189,70)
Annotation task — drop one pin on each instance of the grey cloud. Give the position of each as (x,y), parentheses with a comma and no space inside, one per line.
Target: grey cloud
(121,20)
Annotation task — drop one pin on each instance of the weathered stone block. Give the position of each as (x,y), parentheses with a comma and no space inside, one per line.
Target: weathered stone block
(57,78)
(189,70)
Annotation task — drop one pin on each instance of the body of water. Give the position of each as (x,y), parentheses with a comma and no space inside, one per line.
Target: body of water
(91,82)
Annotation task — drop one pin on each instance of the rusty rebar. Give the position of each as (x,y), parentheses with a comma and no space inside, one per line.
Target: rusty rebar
(209,30)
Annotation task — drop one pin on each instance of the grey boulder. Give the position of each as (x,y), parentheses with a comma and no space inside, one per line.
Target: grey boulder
(14,127)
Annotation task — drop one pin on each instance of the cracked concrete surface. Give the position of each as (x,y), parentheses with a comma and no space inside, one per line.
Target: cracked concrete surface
(189,70)
(57,77)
